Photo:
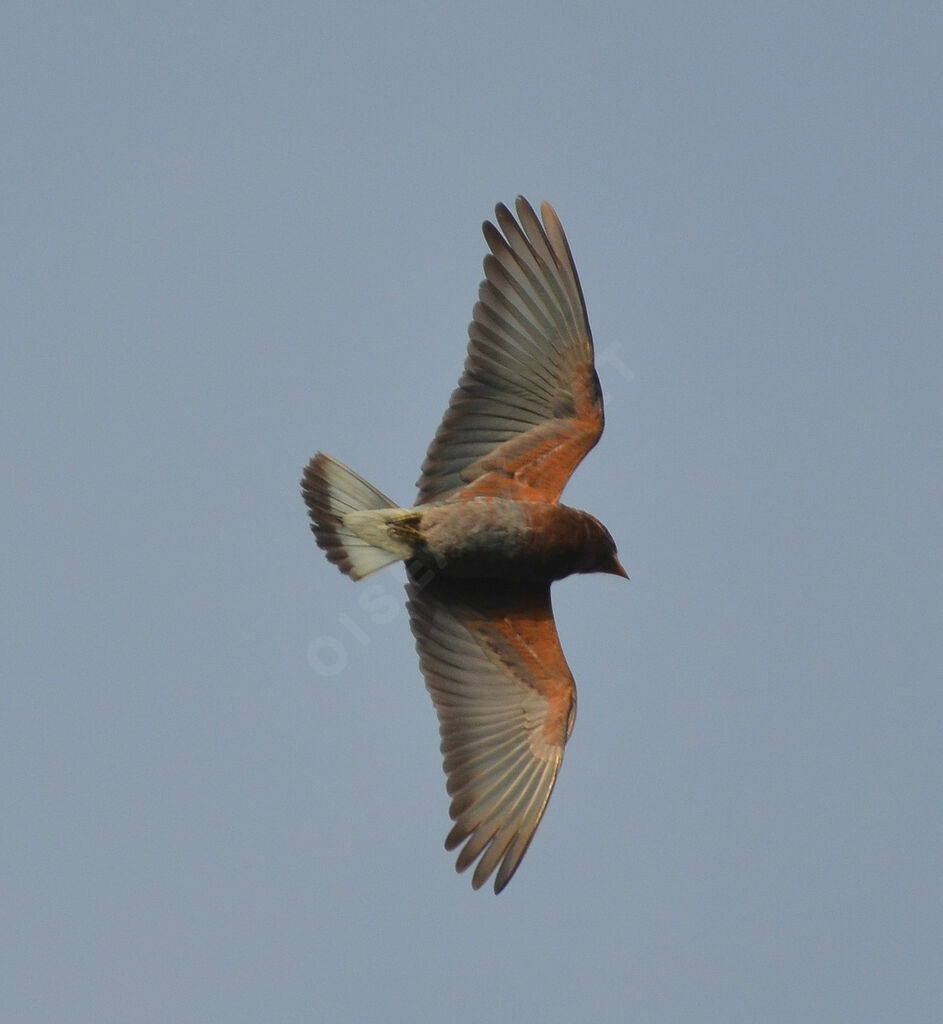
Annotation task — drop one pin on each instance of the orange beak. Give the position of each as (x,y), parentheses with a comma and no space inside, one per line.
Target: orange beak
(616,569)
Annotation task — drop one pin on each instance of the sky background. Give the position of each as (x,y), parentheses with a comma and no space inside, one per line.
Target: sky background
(234,234)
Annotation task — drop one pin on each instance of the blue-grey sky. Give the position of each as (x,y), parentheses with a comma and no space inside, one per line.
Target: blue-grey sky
(235,234)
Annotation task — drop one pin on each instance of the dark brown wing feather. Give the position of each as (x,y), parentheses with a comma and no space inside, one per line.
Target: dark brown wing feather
(506,704)
(528,406)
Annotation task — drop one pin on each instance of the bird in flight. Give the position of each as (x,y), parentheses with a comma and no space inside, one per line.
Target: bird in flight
(487,536)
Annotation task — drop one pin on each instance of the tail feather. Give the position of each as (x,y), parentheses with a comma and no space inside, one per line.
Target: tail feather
(339,504)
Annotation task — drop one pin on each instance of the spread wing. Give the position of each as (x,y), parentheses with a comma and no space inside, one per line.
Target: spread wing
(528,406)
(506,705)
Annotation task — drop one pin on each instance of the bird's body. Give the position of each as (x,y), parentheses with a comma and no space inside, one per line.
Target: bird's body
(493,538)
(487,536)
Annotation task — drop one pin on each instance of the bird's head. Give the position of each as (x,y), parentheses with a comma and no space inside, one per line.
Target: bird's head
(604,557)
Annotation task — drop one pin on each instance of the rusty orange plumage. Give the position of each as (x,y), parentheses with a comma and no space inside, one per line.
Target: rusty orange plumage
(487,536)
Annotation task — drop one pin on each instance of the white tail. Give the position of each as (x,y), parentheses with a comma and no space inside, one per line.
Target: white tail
(349,517)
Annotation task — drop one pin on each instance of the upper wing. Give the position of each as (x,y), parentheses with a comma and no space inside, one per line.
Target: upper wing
(506,705)
(528,406)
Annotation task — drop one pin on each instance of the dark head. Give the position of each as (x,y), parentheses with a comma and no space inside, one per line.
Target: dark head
(603,557)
